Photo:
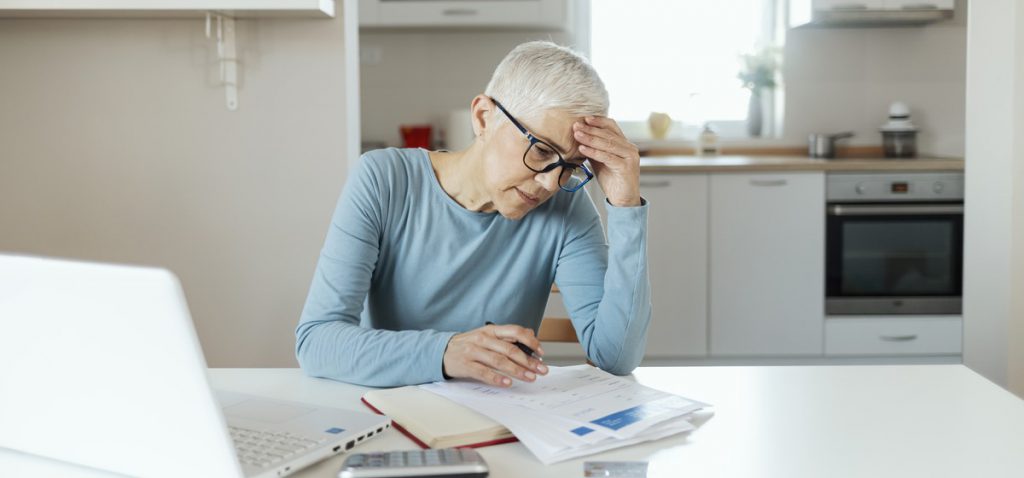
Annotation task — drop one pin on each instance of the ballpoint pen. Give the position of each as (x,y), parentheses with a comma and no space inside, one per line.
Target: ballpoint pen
(526,349)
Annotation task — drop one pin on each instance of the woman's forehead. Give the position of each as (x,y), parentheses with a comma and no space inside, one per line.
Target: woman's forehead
(555,127)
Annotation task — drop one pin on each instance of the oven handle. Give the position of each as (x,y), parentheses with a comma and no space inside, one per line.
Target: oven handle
(901,210)
(898,338)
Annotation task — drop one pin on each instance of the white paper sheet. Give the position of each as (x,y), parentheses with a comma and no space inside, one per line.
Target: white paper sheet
(575,411)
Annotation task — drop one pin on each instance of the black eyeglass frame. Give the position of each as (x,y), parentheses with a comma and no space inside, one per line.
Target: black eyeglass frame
(561,160)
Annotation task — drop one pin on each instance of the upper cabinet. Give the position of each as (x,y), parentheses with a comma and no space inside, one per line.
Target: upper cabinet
(868,13)
(521,14)
(167,8)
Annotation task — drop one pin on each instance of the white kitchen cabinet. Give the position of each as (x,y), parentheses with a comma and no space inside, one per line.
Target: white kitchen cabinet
(883,4)
(167,8)
(869,13)
(893,335)
(848,4)
(767,243)
(919,4)
(677,245)
(524,14)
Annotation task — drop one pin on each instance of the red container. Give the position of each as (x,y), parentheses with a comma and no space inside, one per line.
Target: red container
(416,136)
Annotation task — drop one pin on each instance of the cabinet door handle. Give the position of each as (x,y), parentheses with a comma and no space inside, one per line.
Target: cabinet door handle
(655,184)
(921,6)
(768,182)
(898,338)
(451,12)
(849,6)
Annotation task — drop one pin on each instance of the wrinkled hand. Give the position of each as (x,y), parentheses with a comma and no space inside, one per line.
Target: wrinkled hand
(616,161)
(489,355)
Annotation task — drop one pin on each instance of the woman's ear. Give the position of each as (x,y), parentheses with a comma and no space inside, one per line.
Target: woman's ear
(482,110)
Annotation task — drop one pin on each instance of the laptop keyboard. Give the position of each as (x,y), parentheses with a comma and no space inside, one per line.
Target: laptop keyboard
(263,448)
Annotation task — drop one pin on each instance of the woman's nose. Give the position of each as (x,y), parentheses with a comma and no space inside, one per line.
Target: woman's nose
(549,180)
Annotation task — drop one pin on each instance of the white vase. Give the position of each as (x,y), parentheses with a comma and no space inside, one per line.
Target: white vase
(755,114)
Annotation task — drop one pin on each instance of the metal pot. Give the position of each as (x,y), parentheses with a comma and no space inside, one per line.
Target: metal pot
(824,145)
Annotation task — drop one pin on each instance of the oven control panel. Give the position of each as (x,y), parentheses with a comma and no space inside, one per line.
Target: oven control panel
(895,187)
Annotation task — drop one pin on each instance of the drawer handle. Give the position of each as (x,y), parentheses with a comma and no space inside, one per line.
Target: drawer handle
(898,338)
(459,11)
(921,6)
(768,182)
(849,6)
(655,184)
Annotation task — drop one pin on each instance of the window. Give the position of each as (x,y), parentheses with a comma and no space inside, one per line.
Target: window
(681,58)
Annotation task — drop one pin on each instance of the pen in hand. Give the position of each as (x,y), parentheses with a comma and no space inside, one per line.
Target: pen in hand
(525,348)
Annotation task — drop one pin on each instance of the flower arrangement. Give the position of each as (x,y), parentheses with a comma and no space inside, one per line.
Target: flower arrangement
(758,68)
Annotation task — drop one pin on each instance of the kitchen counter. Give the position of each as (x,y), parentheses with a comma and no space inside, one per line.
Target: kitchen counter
(718,164)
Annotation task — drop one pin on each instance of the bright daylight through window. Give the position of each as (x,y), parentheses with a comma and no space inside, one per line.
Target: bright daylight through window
(684,58)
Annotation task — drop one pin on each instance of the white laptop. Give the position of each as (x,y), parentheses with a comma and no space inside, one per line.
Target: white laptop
(100,366)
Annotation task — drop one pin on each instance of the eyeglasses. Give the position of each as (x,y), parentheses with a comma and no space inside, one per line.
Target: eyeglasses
(541,157)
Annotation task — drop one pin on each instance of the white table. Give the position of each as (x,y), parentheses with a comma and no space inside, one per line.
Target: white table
(817,421)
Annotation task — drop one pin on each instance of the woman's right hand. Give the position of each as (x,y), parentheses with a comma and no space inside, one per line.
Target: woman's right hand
(489,354)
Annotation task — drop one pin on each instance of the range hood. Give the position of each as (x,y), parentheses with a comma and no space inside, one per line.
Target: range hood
(866,14)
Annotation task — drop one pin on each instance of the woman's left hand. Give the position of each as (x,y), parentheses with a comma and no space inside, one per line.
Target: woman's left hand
(616,161)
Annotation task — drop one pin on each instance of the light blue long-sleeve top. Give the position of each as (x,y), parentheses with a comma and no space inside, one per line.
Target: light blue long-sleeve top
(404,268)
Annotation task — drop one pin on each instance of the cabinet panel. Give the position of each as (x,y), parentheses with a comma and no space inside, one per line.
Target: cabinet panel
(168,8)
(539,14)
(677,242)
(767,264)
(919,4)
(848,4)
(880,336)
(677,245)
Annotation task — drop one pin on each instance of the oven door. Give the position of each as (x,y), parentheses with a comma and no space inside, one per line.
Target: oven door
(901,258)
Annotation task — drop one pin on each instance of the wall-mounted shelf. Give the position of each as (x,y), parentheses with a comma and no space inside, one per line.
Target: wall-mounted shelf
(166,8)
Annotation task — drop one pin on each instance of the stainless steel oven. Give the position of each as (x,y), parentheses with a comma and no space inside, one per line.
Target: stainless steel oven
(894,243)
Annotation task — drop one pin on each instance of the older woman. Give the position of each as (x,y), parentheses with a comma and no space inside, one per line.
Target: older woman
(437,244)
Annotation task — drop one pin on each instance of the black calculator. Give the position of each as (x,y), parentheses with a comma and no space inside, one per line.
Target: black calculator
(447,462)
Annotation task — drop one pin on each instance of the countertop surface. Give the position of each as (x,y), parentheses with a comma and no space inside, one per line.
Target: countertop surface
(730,163)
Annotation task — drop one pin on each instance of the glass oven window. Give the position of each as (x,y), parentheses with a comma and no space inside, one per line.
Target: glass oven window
(905,257)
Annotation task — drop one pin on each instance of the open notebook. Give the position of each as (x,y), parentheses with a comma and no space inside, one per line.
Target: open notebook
(433,421)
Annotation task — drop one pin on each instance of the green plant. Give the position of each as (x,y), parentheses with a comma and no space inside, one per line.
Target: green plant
(758,68)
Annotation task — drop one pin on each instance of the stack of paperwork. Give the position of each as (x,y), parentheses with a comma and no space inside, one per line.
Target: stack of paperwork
(575,411)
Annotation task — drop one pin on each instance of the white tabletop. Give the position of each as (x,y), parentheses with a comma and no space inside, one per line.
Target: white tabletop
(795,421)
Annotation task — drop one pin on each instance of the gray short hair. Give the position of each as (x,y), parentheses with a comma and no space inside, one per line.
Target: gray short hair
(539,75)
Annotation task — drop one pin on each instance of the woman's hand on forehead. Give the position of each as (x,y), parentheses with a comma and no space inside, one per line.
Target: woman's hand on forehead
(615,159)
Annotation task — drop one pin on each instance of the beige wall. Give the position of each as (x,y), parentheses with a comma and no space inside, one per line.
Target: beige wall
(115,145)
(837,79)
(994,237)
(424,74)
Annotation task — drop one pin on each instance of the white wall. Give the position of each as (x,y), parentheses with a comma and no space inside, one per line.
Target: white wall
(843,79)
(836,79)
(115,145)
(994,217)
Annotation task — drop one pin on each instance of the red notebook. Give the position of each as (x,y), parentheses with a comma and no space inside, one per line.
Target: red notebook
(433,421)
